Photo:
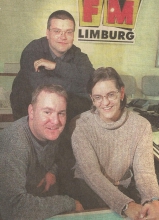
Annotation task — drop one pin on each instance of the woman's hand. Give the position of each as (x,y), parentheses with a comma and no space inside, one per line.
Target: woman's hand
(150,210)
(133,211)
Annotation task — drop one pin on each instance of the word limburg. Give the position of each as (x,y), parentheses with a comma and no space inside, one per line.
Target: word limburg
(106,35)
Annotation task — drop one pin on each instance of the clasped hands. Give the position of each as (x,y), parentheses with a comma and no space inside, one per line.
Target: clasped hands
(47,64)
(48,181)
(150,211)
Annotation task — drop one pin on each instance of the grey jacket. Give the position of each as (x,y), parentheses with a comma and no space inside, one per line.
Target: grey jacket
(23,163)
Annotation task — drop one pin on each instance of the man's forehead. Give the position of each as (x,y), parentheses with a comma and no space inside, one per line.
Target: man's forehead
(58,20)
(52,109)
(52,96)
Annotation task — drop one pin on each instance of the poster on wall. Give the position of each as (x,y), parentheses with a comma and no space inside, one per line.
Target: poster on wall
(110,21)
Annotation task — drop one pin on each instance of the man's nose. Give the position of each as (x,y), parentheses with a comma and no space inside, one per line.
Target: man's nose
(54,119)
(63,34)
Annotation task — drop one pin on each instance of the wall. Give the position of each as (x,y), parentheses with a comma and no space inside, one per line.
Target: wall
(23,21)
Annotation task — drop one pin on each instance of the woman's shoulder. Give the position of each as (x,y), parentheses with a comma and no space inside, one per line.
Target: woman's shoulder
(138,119)
(84,119)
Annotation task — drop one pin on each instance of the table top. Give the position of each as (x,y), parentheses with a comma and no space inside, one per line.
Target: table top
(90,215)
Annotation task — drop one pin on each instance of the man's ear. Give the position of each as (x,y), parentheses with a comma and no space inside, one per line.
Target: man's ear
(30,111)
(47,33)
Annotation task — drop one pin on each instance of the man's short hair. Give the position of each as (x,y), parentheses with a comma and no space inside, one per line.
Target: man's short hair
(57,89)
(60,14)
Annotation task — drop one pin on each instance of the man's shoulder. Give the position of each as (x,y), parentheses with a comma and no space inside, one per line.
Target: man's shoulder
(15,128)
(15,142)
(76,53)
(41,42)
(74,49)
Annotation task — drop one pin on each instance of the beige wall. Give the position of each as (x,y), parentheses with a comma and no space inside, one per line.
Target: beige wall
(22,21)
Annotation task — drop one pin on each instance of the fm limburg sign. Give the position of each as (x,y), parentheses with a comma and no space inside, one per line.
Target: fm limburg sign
(108,20)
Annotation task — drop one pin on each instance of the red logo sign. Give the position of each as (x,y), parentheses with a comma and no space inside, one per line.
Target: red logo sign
(108,20)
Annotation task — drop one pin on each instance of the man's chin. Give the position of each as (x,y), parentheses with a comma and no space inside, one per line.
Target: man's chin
(53,136)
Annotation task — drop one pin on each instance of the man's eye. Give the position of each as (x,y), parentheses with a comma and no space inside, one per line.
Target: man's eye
(69,32)
(63,114)
(57,31)
(46,112)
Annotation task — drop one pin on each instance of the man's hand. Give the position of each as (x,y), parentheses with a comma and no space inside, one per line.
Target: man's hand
(47,64)
(79,207)
(48,181)
(150,211)
(133,211)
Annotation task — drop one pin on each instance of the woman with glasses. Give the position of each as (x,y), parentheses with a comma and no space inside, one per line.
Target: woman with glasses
(114,153)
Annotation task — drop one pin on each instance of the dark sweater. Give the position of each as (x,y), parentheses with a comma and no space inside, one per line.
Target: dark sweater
(72,72)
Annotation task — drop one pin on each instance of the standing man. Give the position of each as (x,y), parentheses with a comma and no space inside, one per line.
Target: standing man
(28,154)
(53,59)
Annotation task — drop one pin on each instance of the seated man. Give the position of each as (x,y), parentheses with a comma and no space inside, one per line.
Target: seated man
(53,59)
(28,153)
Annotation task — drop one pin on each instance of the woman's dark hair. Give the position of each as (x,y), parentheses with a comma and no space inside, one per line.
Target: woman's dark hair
(60,14)
(104,74)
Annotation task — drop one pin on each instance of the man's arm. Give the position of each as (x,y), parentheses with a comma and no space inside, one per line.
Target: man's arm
(35,50)
(72,72)
(43,63)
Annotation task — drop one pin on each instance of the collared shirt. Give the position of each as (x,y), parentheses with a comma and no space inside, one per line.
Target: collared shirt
(54,56)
